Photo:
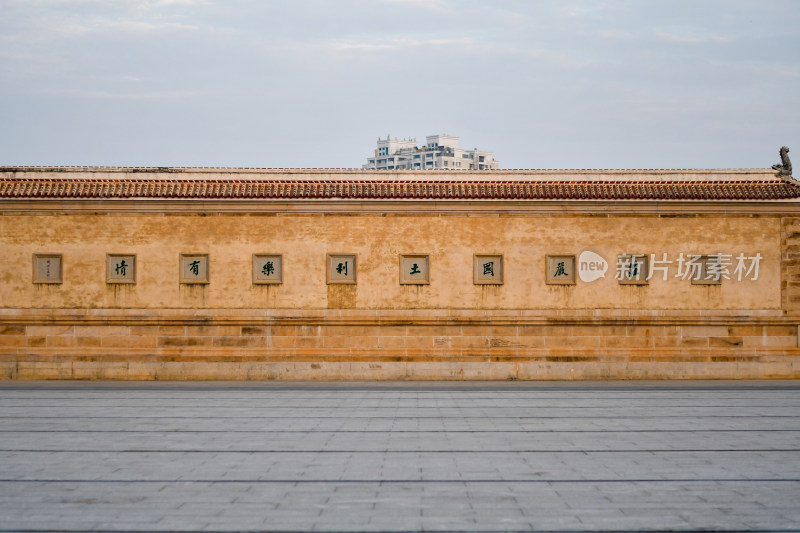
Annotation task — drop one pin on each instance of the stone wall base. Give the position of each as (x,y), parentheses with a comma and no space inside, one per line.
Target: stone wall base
(395,345)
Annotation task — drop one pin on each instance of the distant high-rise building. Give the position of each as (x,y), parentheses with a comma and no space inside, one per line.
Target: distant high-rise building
(439,152)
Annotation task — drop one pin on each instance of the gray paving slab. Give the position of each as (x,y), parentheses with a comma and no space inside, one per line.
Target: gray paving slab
(660,456)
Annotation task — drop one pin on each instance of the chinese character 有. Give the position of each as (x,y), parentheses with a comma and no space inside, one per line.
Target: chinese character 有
(488,268)
(194,267)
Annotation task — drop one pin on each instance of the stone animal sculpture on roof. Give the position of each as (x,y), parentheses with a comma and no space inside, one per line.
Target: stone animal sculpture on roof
(785,166)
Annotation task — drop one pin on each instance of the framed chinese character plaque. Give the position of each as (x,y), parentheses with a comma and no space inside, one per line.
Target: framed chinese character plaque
(267,269)
(194,269)
(708,270)
(633,269)
(415,269)
(120,268)
(487,269)
(341,268)
(47,268)
(560,269)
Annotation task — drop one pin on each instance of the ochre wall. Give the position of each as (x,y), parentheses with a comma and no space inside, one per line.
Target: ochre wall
(451,240)
(378,329)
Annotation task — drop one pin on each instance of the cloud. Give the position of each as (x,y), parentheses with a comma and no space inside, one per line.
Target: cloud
(393,43)
(112,95)
(126,25)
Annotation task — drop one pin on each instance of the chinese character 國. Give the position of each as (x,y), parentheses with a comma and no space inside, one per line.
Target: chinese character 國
(488,269)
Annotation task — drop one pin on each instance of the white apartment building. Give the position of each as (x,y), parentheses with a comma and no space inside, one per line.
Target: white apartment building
(439,152)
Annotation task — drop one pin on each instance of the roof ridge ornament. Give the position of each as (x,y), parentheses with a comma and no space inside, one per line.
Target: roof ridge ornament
(784,168)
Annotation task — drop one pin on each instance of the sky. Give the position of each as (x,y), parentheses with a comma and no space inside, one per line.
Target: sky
(314,83)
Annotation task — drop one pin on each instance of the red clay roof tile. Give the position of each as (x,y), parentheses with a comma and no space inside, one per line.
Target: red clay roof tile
(258,189)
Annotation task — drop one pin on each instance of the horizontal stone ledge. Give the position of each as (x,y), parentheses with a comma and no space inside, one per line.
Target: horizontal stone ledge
(681,208)
(390,317)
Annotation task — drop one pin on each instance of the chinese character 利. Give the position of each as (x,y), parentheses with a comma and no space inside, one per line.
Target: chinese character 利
(341,268)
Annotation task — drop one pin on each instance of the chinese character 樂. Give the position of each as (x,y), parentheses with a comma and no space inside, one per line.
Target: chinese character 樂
(414,269)
(341,268)
(268,269)
(120,268)
(488,268)
(560,269)
(194,267)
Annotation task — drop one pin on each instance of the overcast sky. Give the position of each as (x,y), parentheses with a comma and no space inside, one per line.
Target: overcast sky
(313,83)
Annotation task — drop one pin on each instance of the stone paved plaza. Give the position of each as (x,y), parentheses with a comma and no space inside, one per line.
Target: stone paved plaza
(617,456)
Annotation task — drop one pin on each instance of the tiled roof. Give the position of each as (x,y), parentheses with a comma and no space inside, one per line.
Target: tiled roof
(370,189)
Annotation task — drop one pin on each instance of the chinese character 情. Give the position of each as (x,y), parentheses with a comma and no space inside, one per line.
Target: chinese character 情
(194,266)
(488,268)
(268,269)
(341,268)
(120,268)
(414,269)
(560,269)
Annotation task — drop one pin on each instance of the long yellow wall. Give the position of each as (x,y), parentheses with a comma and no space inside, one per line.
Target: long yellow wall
(304,328)
(451,240)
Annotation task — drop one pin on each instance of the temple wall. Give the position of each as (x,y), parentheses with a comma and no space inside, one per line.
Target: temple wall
(230,240)
(305,328)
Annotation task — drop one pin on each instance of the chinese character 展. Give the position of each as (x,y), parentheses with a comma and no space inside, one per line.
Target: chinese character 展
(560,269)
(414,269)
(341,268)
(194,267)
(488,268)
(629,267)
(120,268)
(268,269)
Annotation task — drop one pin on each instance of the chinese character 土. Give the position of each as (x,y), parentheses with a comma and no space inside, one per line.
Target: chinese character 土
(268,269)
(120,268)
(488,269)
(560,269)
(414,269)
(341,268)
(194,267)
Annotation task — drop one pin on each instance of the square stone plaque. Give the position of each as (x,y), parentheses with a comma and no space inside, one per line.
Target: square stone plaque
(194,268)
(120,268)
(487,269)
(560,269)
(415,269)
(633,269)
(267,269)
(341,268)
(707,277)
(47,268)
